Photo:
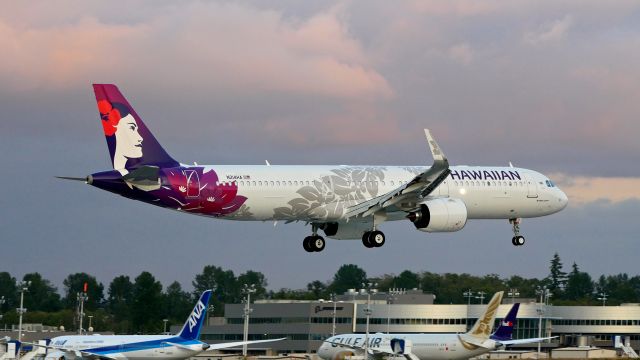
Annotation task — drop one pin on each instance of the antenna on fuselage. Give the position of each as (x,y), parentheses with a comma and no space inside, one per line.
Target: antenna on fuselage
(510,164)
(267,162)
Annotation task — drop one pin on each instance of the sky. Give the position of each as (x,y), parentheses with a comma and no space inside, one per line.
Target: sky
(547,85)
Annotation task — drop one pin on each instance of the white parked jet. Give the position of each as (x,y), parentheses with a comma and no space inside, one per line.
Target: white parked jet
(346,202)
(141,347)
(425,346)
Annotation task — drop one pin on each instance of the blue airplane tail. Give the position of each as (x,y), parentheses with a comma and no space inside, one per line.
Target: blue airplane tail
(505,330)
(191,328)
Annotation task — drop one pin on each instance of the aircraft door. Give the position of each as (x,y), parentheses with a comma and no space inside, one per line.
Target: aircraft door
(532,187)
(193,183)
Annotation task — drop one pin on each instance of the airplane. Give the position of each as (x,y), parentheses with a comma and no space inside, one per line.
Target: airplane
(476,341)
(141,347)
(344,201)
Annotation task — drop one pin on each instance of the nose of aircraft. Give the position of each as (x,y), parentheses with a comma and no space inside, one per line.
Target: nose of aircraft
(563,200)
(322,350)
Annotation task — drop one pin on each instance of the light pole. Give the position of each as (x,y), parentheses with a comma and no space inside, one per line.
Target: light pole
(24,286)
(603,297)
(513,293)
(545,294)
(391,297)
(468,294)
(82,297)
(333,327)
(2,301)
(247,310)
(481,296)
(90,328)
(164,331)
(368,288)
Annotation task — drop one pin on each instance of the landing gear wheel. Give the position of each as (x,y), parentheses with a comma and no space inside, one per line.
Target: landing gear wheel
(306,244)
(317,243)
(376,238)
(519,240)
(366,239)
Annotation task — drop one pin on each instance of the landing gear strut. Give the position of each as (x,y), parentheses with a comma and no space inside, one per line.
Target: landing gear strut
(517,239)
(315,242)
(373,239)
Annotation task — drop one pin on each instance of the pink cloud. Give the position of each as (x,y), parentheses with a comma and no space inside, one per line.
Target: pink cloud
(583,189)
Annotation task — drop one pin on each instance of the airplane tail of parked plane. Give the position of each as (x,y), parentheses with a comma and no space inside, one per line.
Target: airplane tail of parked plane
(191,328)
(481,330)
(130,142)
(505,330)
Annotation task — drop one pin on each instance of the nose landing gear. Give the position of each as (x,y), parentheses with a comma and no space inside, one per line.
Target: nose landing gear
(517,239)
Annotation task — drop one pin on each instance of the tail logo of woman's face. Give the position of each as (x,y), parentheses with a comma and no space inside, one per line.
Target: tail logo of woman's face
(117,120)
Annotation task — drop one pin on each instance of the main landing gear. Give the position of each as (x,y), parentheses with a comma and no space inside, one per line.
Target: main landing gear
(517,239)
(315,242)
(373,239)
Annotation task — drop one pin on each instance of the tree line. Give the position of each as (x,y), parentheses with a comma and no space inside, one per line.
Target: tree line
(139,305)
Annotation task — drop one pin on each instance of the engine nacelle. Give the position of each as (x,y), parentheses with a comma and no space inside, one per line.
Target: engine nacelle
(401,346)
(440,215)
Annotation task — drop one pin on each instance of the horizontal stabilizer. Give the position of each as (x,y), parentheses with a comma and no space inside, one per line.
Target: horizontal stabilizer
(72,178)
(146,178)
(240,343)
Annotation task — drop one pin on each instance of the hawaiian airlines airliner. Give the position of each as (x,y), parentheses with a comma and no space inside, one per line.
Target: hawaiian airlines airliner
(142,347)
(344,201)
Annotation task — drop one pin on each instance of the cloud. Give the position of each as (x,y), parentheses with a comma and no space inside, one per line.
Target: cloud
(235,48)
(582,190)
(461,53)
(551,32)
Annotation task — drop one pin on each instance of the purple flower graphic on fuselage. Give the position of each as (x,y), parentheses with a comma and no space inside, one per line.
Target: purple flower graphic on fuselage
(195,190)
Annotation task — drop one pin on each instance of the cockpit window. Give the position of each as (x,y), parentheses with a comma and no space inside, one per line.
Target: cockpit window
(550,183)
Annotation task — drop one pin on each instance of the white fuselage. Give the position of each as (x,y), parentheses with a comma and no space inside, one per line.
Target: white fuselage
(424,346)
(312,193)
(130,347)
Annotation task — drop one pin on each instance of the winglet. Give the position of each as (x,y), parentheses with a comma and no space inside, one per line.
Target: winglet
(437,153)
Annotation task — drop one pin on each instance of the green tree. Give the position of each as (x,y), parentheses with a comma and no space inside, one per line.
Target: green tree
(349,276)
(177,303)
(579,286)
(407,280)
(557,278)
(254,278)
(120,298)
(41,295)
(146,308)
(74,284)
(223,283)
(8,290)
(317,289)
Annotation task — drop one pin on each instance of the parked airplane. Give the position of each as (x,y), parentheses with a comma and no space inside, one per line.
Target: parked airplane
(346,202)
(141,347)
(476,341)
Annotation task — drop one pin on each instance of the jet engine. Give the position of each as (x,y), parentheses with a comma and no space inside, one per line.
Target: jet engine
(440,215)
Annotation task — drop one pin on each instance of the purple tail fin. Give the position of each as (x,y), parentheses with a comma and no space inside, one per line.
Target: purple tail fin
(505,330)
(130,142)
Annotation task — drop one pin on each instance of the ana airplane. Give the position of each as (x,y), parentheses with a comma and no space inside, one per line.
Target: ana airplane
(141,347)
(346,202)
(478,340)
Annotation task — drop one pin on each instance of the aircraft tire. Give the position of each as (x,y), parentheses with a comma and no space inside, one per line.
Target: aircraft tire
(365,239)
(306,244)
(519,240)
(317,244)
(376,238)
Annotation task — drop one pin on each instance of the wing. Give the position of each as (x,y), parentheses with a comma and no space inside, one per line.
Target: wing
(76,353)
(240,343)
(412,192)
(526,341)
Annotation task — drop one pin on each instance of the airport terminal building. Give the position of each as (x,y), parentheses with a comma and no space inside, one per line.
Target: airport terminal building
(306,324)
